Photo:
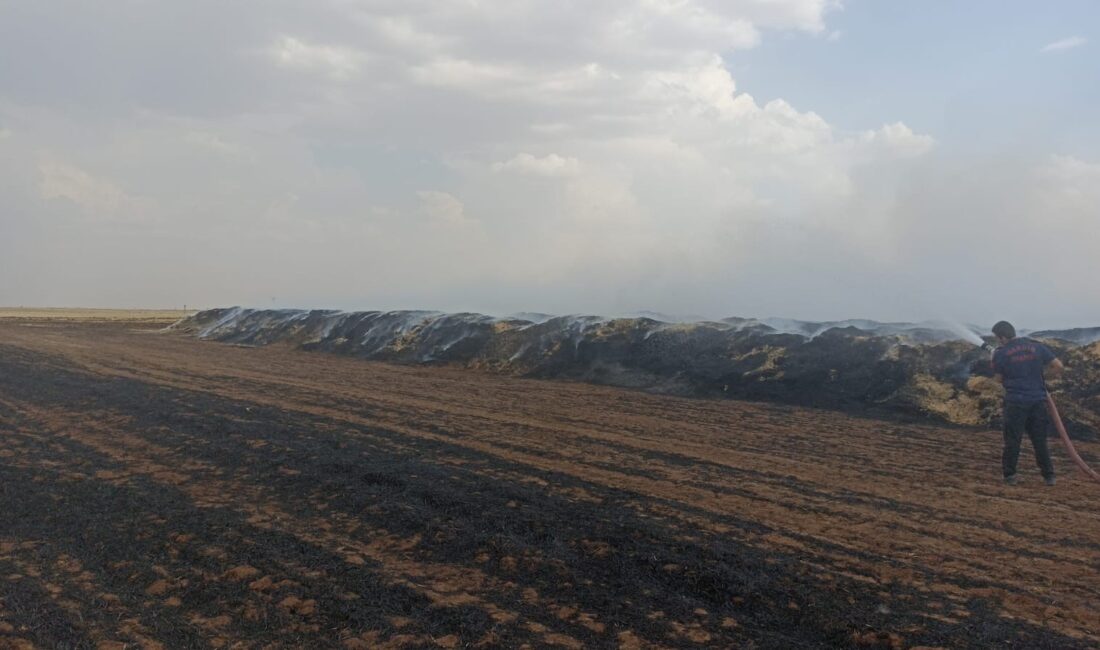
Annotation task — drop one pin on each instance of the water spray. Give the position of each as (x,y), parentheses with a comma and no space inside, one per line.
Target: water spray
(965,333)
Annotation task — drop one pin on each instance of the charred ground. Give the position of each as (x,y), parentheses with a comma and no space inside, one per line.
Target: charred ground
(160,490)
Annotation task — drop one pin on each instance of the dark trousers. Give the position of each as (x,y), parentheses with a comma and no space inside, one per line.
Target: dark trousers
(1030,419)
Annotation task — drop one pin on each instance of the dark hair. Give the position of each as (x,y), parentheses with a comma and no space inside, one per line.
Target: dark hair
(1005,330)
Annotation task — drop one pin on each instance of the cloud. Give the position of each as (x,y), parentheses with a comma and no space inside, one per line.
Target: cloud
(444,208)
(898,139)
(1069,190)
(394,98)
(1064,44)
(334,61)
(463,73)
(949,219)
(549,165)
(213,142)
(4,133)
(99,197)
(493,155)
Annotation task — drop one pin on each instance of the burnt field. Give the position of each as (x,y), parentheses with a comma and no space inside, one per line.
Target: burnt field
(158,491)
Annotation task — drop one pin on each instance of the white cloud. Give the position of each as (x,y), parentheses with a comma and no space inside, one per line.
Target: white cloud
(701,89)
(444,208)
(898,139)
(213,142)
(1064,44)
(334,61)
(462,73)
(549,165)
(1070,191)
(374,154)
(404,33)
(100,197)
(671,23)
(397,97)
(5,133)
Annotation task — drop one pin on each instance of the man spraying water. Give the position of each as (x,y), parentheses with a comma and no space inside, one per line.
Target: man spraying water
(1019,364)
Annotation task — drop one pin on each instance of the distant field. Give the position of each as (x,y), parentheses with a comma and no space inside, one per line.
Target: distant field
(114,315)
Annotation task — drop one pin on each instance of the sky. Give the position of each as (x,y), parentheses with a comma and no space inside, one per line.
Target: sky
(808,159)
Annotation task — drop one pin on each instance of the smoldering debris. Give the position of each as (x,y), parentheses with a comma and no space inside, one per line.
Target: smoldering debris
(920,369)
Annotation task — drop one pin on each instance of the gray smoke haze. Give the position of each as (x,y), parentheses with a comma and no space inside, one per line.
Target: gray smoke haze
(498,156)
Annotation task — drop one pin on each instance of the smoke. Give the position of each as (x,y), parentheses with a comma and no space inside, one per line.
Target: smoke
(964,332)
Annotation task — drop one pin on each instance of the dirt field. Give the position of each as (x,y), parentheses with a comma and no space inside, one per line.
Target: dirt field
(158,491)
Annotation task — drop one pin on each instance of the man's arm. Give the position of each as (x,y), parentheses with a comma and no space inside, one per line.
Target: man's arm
(1055,369)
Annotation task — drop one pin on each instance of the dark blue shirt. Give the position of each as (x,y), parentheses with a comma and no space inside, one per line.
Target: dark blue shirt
(1021,362)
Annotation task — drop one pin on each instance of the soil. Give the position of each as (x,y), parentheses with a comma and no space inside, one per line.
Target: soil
(158,491)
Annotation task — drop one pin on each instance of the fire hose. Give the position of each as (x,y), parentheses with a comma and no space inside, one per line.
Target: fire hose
(1066,442)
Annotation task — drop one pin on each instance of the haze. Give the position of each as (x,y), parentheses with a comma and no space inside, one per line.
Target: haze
(798,158)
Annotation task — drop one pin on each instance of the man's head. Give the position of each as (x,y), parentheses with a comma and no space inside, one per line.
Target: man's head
(1004,331)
